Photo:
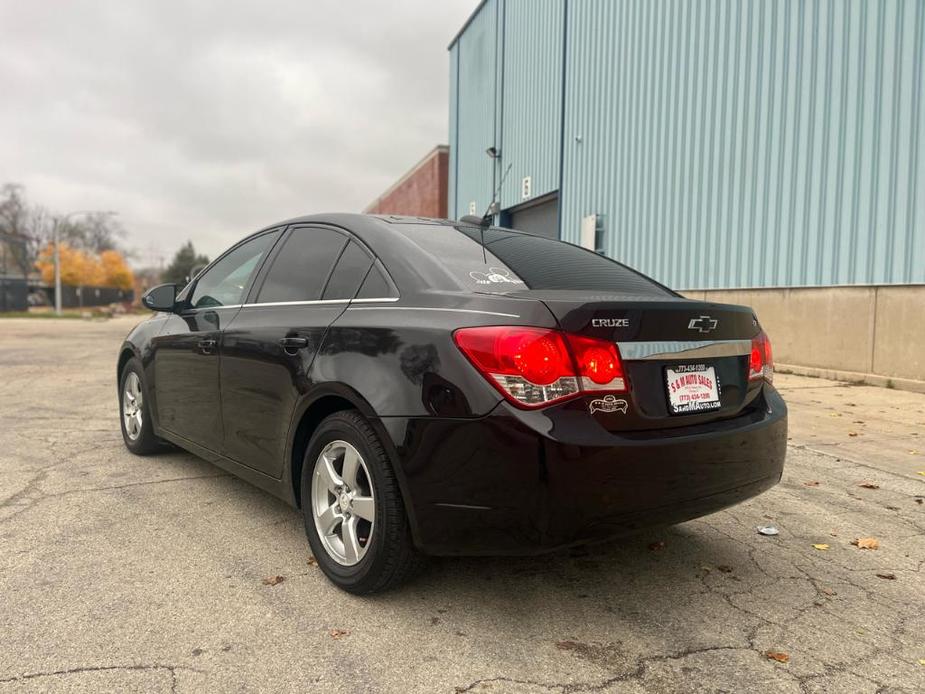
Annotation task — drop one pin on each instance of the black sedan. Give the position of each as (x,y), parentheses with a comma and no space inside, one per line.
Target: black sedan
(424,387)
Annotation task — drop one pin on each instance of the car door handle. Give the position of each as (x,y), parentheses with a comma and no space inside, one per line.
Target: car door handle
(206,346)
(291,344)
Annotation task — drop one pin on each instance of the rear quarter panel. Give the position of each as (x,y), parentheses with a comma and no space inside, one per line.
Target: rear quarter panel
(401,359)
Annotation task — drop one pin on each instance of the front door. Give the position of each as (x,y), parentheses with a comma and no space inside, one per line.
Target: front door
(269,346)
(186,351)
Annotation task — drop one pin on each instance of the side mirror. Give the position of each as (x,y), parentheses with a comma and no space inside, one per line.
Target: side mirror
(163,297)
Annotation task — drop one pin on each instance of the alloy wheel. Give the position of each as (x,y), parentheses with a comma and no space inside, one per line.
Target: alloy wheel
(132,401)
(343,503)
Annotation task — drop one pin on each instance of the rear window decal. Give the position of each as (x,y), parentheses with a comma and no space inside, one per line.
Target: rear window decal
(495,275)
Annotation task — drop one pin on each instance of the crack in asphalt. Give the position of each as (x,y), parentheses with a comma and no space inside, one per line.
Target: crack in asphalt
(172,669)
(803,565)
(33,486)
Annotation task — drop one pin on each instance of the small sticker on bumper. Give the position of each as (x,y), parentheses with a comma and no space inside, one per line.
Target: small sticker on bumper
(608,403)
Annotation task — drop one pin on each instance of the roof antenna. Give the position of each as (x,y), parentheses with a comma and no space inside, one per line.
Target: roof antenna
(493,208)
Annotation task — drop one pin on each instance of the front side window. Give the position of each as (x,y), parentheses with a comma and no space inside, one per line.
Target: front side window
(301,268)
(225,282)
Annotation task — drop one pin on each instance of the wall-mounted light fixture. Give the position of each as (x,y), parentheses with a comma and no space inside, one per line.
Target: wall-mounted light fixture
(493,152)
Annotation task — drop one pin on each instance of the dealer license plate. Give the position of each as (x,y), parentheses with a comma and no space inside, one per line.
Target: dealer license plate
(692,388)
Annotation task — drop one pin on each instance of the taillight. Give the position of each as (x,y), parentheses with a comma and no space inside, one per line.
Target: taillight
(534,367)
(598,362)
(761,362)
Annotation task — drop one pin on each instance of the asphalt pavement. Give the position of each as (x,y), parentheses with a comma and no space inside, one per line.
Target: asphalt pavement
(120,573)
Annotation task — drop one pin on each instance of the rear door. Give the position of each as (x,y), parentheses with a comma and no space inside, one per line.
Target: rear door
(186,361)
(268,348)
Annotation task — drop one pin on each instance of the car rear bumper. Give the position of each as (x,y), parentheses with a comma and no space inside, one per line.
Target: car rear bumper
(518,482)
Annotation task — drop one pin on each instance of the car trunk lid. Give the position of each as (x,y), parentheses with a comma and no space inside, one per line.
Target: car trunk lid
(673,350)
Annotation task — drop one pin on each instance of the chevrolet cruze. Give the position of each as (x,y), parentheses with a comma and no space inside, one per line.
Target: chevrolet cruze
(425,387)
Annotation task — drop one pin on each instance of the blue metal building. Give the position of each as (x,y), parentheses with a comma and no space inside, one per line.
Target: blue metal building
(709,143)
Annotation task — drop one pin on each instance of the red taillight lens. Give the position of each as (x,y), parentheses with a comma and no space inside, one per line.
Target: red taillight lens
(599,364)
(533,367)
(540,358)
(761,362)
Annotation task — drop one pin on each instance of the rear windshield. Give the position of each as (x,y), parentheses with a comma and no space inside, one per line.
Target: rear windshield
(513,261)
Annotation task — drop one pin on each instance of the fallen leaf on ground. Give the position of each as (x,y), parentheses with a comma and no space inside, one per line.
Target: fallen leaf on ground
(921,472)
(869,485)
(337,633)
(919,500)
(779,656)
(657,546)
(852,433)
(821,546)
(827,591)
(866,543)
(888,577)
(273,580)
(921,661)
(312,561)
(725,569)
(812,483)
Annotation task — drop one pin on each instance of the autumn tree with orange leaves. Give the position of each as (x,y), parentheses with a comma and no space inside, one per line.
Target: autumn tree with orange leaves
(82,269)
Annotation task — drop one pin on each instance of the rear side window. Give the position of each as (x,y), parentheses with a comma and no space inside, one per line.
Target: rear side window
(348,273)
(513,261)
(302,266)
(375,286)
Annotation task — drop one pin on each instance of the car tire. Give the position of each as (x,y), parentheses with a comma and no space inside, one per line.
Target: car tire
(137,430)
(388,557)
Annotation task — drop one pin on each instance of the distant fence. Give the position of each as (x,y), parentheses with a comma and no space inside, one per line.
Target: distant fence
(14,290)
(85,297)
(14,293)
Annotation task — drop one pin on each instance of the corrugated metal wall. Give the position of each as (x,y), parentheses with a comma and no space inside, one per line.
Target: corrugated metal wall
(732,143)
(531,103)
(476,108)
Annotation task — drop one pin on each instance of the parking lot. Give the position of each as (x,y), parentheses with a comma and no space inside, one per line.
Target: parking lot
(120,573)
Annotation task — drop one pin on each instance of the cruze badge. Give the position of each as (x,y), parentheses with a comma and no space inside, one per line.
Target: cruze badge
(610,322)
(703,324)
(608,403)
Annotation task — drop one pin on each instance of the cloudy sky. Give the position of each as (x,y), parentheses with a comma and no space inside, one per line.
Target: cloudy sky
(208,119)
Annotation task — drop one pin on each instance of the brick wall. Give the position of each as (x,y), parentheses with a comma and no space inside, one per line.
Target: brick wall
(420,192)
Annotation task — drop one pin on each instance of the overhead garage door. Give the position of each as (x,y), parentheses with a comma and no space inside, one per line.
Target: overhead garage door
(541,217)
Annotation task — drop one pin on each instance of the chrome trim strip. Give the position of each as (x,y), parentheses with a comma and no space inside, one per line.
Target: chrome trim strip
(315,302)
(192,309)
(688,349)
(374,301)
(318,302)
(427,308)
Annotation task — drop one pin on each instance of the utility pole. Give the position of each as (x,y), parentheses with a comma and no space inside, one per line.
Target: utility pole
(57,241)
(57,271)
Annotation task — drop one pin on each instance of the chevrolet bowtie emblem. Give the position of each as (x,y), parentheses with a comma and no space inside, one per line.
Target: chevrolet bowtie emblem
(703,324)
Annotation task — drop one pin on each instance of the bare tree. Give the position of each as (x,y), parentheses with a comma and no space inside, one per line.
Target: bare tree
(25,222)
(94,232)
